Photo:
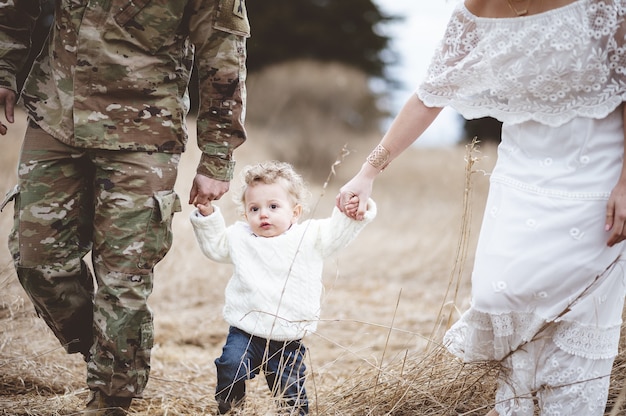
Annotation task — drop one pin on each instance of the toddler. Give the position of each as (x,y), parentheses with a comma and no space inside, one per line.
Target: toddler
(273,297)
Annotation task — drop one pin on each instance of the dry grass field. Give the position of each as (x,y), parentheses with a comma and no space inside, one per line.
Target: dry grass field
(387,299)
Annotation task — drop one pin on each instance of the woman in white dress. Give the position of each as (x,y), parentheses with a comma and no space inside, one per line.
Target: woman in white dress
(548,281)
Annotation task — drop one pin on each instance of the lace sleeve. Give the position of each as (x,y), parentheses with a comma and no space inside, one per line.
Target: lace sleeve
(550,67)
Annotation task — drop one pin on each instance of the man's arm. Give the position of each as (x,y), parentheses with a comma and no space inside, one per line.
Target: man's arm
(17,20)
(7,99)
(220,40)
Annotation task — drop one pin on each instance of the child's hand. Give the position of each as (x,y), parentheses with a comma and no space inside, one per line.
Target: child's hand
(205,210)
(351,207)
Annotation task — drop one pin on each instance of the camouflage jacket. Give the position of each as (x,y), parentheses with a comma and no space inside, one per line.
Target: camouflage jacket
(113,74)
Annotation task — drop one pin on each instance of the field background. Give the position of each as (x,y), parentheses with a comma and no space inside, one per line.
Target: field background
(386,296)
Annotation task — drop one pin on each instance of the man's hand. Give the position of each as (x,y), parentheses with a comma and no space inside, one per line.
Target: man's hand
(7,99)
(205,189)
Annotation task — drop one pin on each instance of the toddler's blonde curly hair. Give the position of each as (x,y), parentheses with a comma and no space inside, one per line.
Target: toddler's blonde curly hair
(270,172)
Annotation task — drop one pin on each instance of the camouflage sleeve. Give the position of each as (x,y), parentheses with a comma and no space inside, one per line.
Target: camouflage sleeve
(17,20)
(219,29)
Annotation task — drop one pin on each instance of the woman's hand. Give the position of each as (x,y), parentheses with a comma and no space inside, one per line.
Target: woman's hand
(351,207)
(409,124)
(616,214)
(352,197)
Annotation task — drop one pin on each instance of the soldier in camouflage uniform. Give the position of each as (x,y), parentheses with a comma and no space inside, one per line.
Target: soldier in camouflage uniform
(107,102)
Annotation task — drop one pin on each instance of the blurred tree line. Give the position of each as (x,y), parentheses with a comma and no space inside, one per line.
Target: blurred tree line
(346,31)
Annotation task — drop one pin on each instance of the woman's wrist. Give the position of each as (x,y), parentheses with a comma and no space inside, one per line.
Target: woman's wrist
(368,171)
(376,162)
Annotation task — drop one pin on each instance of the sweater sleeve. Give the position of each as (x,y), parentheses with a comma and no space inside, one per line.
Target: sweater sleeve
(211,234)
(340,230)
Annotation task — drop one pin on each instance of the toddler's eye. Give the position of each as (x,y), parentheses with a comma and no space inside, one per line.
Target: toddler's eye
(274,206)
(254,209)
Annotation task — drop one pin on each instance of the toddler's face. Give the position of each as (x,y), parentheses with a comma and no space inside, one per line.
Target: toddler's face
(269,209)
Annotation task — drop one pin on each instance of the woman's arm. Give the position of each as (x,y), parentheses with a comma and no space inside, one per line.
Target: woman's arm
(412,120)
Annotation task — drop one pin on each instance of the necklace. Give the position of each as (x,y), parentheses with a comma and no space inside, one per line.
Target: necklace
(521,12)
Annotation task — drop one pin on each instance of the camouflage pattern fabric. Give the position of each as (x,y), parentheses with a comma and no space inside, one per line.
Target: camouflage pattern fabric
(114,74)
(119,205)
(107,100)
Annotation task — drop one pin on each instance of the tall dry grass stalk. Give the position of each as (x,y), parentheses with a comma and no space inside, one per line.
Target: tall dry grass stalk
(462,248)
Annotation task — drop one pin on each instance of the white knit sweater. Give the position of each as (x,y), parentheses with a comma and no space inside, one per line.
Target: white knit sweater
(276,285)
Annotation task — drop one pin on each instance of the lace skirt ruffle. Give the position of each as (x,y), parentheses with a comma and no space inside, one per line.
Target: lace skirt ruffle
(480,336)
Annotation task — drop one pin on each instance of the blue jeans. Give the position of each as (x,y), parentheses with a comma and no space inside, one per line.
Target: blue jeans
(282,362)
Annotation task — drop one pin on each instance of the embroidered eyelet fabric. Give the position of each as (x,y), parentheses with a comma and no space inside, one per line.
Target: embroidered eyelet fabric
(550,67)
(580,384)
(542,269)
(541,257)
(577,386)
(484,337)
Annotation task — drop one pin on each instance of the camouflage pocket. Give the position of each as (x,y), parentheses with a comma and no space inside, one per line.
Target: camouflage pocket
(128,10)
(232,17)
(13,195)
(169,204)
(143,353)
(159,232)
(151,23)
(10,196)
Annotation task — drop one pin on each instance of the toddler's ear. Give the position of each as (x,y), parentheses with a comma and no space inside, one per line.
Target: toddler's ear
(297,211)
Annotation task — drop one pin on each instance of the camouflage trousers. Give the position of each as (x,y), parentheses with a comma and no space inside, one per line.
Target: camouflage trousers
(118,205)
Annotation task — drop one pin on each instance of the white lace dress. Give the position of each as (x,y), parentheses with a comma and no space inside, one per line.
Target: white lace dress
(557,81)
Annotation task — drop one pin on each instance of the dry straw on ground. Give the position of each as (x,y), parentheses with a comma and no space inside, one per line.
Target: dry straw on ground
(389,297)
(392,369)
